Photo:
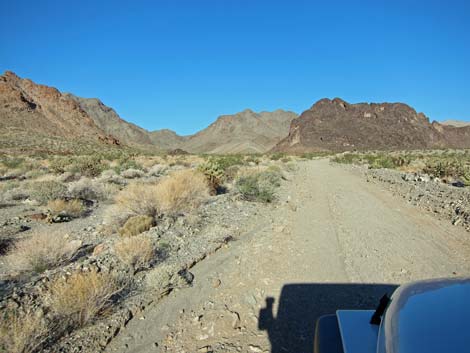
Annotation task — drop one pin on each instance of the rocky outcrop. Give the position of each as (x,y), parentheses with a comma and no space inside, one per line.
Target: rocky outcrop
(336,125)
(29,108)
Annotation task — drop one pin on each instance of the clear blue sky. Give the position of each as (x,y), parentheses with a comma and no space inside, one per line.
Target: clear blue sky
(180,64)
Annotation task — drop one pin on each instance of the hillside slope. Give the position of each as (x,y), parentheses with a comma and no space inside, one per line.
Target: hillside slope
(32,109)
(339,126)
(456,123)
(244,132)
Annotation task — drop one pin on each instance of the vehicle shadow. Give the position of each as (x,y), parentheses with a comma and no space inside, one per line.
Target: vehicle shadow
(300,305)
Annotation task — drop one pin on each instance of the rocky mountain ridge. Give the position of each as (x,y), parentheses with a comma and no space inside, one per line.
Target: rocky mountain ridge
(336,125)
(29,109)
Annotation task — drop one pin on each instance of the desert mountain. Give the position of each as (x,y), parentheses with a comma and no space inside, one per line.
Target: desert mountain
(130,134)
(339,126)
(28,109)
(456,123)
(110,122)
(244,132)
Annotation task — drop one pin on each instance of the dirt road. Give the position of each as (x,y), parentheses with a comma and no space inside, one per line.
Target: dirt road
(333,241)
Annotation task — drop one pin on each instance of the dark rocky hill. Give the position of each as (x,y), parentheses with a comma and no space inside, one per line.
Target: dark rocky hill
(339,126)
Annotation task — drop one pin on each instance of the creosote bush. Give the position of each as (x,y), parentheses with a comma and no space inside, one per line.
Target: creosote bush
(136,225)
(39,252)
(136,252)
(260,186)
(82,296)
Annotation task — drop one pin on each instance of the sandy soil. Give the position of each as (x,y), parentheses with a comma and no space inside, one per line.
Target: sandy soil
(333,241)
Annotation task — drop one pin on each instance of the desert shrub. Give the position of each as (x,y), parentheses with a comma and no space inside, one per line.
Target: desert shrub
(82,296)
(446,168)
(90,166)
(228,161)
(22,332)
(39,252)
(17,194)
(259,186)
(59,165)
(110,176)
(138,199)
(181,191)
(44,191)
(178,192)
(214,173)
(86,189)
(132,173)
(276,156)
(127,162)
(67,177)
(252,159)
(157,170)
(311,155)
(73,208)
(136,225)
(12,162)
(136,252)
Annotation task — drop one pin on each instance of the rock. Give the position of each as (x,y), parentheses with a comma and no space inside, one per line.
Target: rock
(99,249)
(424,178)
(216,283)
(255,349)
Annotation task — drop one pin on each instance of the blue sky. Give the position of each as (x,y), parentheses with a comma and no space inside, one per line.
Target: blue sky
(180,64)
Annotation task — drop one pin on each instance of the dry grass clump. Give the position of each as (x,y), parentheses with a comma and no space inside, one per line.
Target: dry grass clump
(39,252)
(136,252)
(73,208)
(82,296)
(136,225)
(138,199)
(178,192)
(22,332)
(182,191)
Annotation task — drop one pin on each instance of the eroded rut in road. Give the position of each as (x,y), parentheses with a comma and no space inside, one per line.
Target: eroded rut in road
(333,241)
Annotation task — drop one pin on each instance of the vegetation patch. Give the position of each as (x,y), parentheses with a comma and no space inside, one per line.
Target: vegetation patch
(44,191)
(136,225)
(81,297)
(136,252)
(39,252)
(72,208)
(22,332)
(260,186)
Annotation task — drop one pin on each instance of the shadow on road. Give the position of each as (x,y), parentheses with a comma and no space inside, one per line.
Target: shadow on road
(300,305)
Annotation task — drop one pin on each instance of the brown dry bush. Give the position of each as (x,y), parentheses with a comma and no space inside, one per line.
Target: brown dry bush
(136,225)
(138,199)
(181,191)
(22,332)
(136,252)
(178,192)
(73,208)
(82,296)
(39,252)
